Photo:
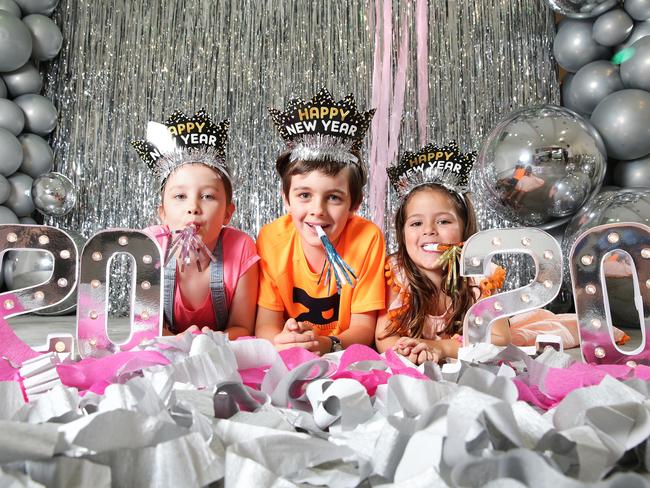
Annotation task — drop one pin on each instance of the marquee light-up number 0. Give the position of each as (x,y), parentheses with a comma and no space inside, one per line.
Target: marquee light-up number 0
(57,288)
(588,256)
(146,290)
(475,261)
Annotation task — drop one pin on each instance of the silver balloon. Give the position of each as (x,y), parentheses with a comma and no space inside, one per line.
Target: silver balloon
(7,216)
(613,27)
(16,45)
(623,120)
(528,153)
(20,198)
(12,153)
(574,45)
(5,190)
(635,72)
(40,114)
(623,205)
(38,156)
(568,194)
(46,36)
(54,194)
(641,29)
(638,9)
(591,84)
(581,9)
(21,269)
(10,7)
(25,79)
(45,7)
(11,117)
(633,174)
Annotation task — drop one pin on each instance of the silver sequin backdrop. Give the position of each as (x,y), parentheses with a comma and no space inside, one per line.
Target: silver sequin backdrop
(125,62)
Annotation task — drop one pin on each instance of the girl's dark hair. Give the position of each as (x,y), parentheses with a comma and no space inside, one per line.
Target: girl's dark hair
(423,295)
(357,174)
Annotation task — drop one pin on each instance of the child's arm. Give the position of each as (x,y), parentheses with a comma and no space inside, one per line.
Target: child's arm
(361,331)
(270,325)
(501,332)
(382,341)
(241,319)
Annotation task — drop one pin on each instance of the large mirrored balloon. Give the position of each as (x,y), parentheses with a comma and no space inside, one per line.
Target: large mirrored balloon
(38,156)
(623,121)
(622,205)
(54,194)
(11,117)
(633,174)
(613,27)
(591,84)
(574,45)
(46,36)
(638,9)
(581,9)
(25,79)
(40,114)
(20,198)
(45,7)
(16,45)
(533,160)
(11,151)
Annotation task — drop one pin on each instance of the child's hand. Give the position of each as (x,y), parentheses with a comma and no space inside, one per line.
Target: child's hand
(296,334)
(415,351)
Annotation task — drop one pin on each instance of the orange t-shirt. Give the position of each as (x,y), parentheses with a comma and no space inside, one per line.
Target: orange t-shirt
(288,285)
(519,173)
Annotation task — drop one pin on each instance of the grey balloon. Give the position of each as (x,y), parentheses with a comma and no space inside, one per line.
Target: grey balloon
(15,42)
(635,72)
(574,45)
(11,117)
(623,120)
(40,114)
(623,205)
(5,189)
(591,84)
(3,89)
(10,7)
(38,156)
(20,198)
(12,153)
(612,27)
(46,36)
(633,174)
(581,9)
(54,194)
(45,7)
(7,216)
(25,79)
(641,29)
(567,99)
(638,9)
(526,156)
(27,221)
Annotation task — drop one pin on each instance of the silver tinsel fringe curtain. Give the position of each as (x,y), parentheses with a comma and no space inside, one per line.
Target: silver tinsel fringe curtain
(124,63)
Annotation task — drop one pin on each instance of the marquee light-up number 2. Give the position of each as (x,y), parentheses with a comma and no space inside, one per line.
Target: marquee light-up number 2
(475,261)
(146,290)
(588,257)
(57,288)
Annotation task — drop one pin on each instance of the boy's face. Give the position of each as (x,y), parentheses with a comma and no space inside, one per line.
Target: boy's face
(317,199)
(194,194)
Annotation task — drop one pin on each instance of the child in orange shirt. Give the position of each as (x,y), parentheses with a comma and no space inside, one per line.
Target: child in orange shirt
(322,187)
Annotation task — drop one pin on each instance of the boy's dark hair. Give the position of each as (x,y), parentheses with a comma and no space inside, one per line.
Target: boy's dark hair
(287,168)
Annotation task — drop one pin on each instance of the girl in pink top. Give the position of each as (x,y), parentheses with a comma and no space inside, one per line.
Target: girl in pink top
(217,288)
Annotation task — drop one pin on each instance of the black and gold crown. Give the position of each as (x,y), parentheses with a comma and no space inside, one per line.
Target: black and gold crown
(321,128)
(182,140)
(445,165)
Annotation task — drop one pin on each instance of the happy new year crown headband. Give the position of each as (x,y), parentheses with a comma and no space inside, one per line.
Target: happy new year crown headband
(446,166)
(183,140)
(322,129)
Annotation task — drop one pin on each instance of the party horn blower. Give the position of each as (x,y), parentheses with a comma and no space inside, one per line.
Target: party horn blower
(191,247)
(449,258)
(334,265)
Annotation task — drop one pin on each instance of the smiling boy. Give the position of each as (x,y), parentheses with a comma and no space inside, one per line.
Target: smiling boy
(322,185)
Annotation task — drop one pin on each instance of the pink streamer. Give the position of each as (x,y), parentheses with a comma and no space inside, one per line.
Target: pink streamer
(422,39)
